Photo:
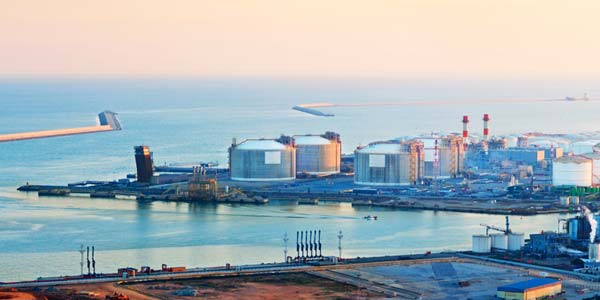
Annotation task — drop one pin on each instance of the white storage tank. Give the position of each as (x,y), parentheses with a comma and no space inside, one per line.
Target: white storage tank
(450,156)
(482,244)
(564,200)
(574,200)
(318,154)
(499,241)
(594,251)
(390,163)
(511,141)
(595,157)
(572,170)
(263,160)
(516,241)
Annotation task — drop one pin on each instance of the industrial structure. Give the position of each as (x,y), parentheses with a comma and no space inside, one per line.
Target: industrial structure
(533,289)
(572,170)
(389,163)
(263,160)
(443,156)
(144,164)
(107,122)
(318,154)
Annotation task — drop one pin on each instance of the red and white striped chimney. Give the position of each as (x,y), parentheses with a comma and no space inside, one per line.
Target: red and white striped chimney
(465,134)
(486,128)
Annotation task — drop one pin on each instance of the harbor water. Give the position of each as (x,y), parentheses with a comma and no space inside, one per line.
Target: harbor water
(188,121)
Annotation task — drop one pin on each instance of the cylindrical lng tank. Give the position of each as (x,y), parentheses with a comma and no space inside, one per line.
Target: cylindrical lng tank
(595,157)
(318,155)
(572,170)
(482,244)
(390,163)
(450,156)
(516,241)
(262,160)
(499,241)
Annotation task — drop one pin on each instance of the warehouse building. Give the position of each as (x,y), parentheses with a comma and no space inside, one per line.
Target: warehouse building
(538,288)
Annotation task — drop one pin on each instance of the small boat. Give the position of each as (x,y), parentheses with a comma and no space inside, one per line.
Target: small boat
(369,217)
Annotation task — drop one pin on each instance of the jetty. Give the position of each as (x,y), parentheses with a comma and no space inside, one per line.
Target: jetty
(107,122)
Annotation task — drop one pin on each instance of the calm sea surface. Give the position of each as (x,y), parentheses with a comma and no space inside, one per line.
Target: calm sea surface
(187,121)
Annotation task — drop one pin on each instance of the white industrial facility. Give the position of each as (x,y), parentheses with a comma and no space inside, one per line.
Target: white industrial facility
(572,170)
(443,156)
(389,163)
(263,160)
(318,154)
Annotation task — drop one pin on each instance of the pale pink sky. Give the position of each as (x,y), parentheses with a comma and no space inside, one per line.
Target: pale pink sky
(385,38)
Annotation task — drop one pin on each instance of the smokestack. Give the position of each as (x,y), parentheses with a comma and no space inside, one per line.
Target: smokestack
(465,133)
(93,261)
(88,260)
(311,244)
(302,243)
(320,253)
(486,128)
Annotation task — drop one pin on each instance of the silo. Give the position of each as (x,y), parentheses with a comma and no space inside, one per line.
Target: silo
(516,241)
(449,153)
(263,160)
(499,241)
(594,251)
(595,157)
(318,154)
(572,170)
(389,163)
(482,244)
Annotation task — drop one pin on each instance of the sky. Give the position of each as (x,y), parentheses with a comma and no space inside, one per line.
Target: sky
(335,38)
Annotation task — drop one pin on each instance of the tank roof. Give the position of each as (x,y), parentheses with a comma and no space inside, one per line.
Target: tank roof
(576,159)
(382,148)
(594,156)
(310,140)
(261,145)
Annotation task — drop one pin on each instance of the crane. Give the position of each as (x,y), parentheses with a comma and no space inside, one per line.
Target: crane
(492,227)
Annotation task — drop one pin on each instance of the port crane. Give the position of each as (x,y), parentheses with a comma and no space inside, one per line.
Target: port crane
(496,228)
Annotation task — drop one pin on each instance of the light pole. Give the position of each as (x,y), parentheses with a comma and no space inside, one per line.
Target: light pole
(285,249)
(81,251)
(340,236)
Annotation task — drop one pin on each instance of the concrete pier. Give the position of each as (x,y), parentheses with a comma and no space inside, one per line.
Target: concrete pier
(108,122)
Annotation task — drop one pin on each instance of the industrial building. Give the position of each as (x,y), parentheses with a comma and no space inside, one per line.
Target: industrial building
(318,154)
(547,244)
(528,156)
(443,156)
(263,160)
(389,163)
(538,288)
(144,164)
(572,170)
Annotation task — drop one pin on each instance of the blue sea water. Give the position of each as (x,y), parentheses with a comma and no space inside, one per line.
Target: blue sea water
(192,120)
